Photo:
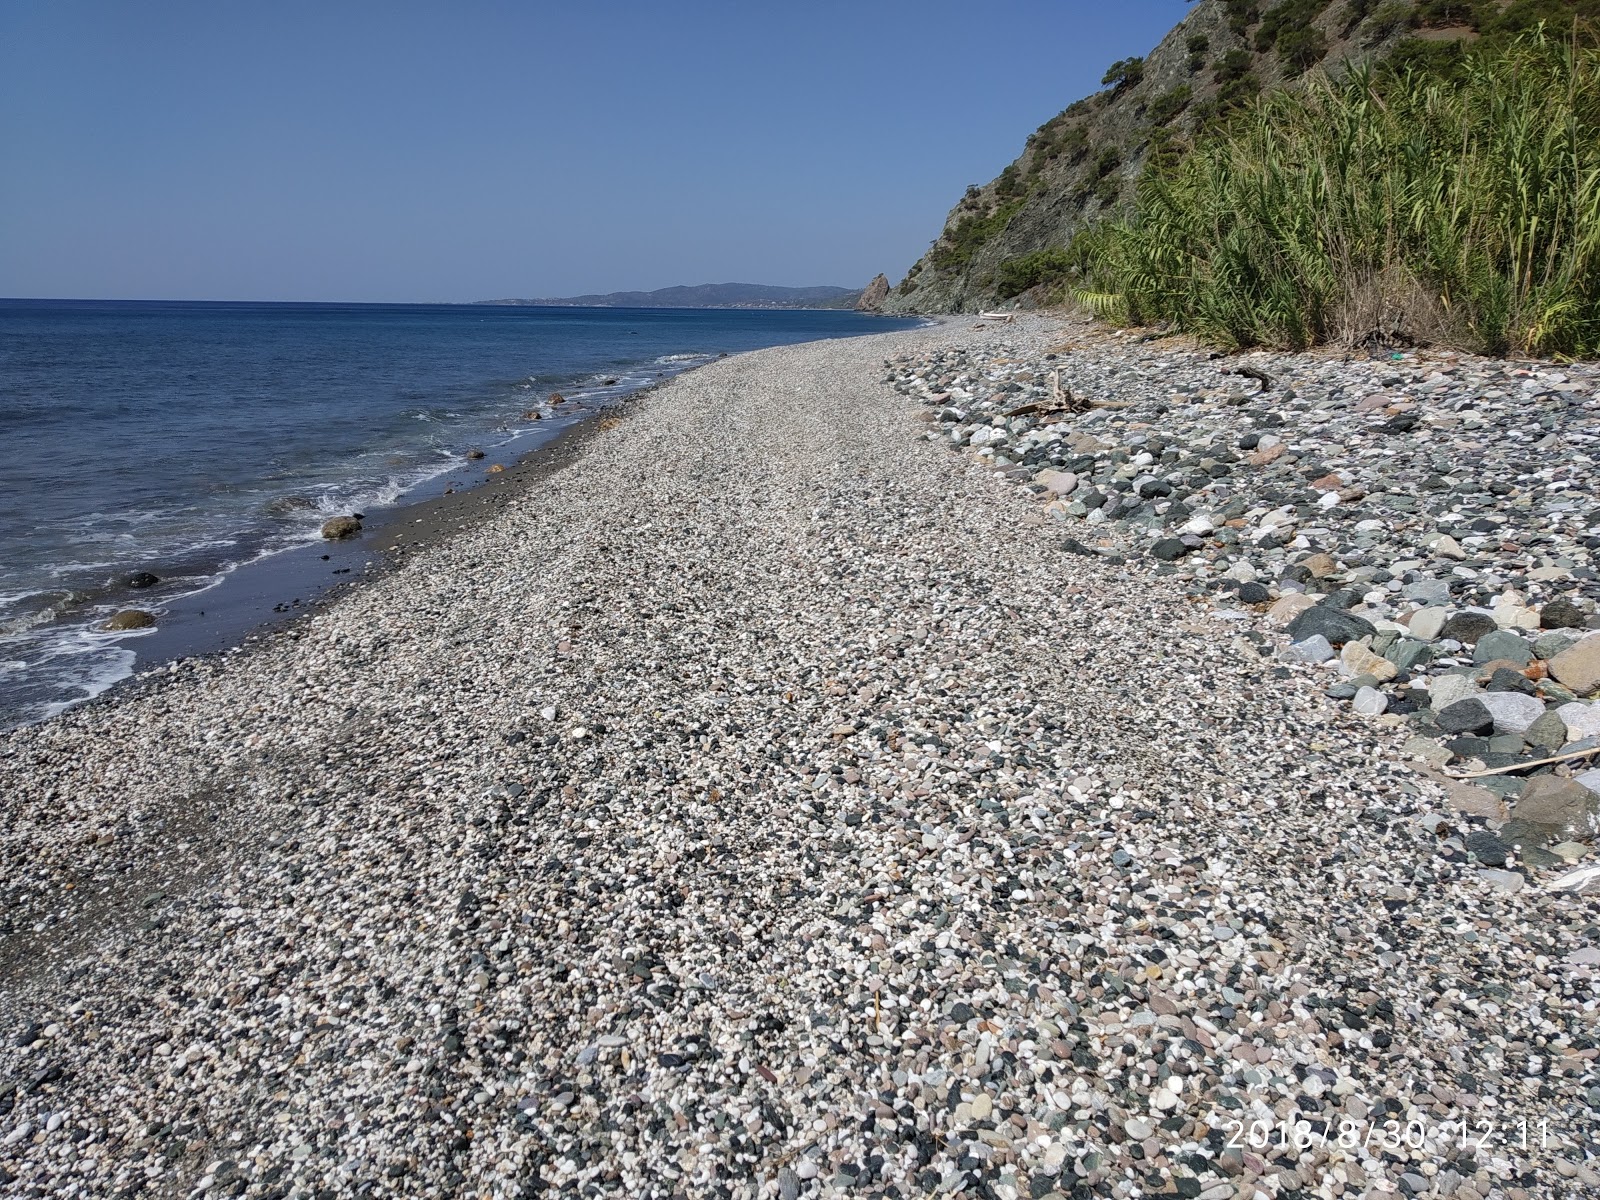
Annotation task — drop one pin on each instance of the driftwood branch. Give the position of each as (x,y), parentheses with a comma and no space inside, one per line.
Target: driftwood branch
(1538,762)
(1260,377)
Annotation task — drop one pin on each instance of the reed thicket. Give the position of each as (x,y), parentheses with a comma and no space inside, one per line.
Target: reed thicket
(1380,209)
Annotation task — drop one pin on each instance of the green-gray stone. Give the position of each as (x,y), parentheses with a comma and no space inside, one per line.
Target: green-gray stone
(1502,643)
(1523,834)
(1505,786)
(1549,732)
(1548,645)
(1407,653)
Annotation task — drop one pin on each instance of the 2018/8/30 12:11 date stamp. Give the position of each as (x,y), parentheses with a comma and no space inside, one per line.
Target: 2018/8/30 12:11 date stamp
(1484,1135)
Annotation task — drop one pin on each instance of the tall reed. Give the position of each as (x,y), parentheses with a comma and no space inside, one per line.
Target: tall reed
(1460,211)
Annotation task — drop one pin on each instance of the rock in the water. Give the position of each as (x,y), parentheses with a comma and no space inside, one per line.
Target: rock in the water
(474,454)
(1578,666)
(1465,716)
(1564,806)
(1503,645)
(874,294)
(1467,627)
(142,579)
(129,618)
(340,527)
(1513,712)
(1334,624)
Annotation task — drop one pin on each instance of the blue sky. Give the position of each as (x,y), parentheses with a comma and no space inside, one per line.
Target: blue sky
(402,151)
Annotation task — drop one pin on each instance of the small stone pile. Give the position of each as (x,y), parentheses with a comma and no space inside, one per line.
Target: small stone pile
(1424,528)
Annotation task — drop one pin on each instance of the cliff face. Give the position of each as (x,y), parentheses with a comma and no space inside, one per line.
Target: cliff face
(1083,163)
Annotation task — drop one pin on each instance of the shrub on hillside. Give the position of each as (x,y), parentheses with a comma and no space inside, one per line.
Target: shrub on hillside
(1017,275)
(1382,208)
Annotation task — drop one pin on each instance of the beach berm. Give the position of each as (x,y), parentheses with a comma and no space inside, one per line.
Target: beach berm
(774,802)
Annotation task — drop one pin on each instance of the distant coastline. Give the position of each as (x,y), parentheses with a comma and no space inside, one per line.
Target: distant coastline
(705,295)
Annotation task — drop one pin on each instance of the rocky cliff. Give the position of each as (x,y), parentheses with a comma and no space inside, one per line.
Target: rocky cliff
(873,296)
(1082,164)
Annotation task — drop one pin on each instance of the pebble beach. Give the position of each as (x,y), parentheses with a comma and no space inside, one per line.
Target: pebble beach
(976,761)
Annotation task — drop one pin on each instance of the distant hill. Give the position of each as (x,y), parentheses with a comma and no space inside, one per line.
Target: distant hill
(710,295)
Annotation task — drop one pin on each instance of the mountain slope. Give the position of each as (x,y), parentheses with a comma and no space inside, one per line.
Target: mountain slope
(1084,162)
(711,295)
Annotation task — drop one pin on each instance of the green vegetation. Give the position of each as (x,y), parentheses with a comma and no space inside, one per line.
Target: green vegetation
(1124,73)
(1169,104)
(1241,14)
(958,246)
(1198,44)
(1384,207)
(1494,24)
(1017,275)
(1237,85)
(1059,138)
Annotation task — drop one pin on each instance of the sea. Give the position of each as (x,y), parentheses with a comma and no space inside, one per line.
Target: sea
(202,442)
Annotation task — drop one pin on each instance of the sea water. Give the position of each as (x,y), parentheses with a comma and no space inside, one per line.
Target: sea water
(186,439)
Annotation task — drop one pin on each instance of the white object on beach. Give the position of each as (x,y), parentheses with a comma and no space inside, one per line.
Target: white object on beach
(1575,881)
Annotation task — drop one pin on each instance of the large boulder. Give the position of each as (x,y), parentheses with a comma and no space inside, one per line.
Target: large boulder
(874,294)
(336,528)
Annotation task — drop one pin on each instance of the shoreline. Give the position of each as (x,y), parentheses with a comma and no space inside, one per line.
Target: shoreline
(783,765)
(221,579)
(252,599)
(263,603)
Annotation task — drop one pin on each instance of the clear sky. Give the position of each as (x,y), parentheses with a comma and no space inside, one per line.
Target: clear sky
(464,150)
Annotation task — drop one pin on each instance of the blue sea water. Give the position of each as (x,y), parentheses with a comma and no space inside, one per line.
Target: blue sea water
(186,439)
